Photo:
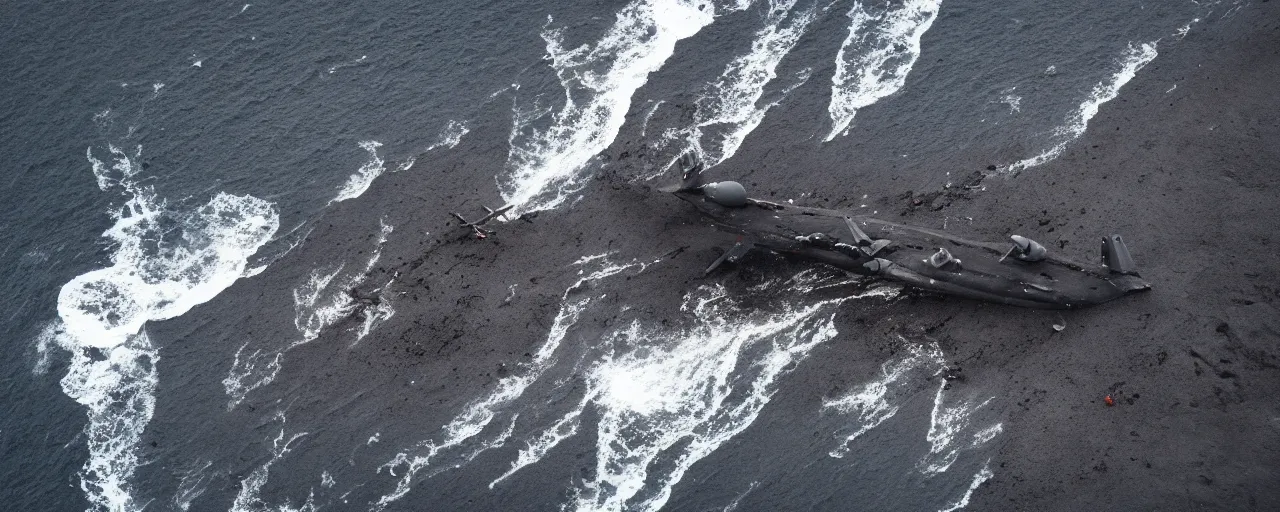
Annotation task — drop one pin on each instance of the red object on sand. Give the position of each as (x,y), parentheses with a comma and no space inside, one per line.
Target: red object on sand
(1109,401)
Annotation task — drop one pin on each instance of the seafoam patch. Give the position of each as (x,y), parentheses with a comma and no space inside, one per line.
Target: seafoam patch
(677,394)
(320,302)
(1133,60)
(599,80)
(876,56)
(360,181)
(165,261)
(462,438)
(730,109)
(880,399)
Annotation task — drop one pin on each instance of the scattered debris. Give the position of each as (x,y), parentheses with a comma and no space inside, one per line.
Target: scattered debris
(1060,325)
(1109,401)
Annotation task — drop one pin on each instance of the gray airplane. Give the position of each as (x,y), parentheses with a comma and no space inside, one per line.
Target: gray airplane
(1019,273)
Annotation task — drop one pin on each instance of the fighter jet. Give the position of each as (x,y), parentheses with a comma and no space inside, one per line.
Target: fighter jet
(1021,272)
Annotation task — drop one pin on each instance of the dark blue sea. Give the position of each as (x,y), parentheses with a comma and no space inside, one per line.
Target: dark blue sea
(192,190)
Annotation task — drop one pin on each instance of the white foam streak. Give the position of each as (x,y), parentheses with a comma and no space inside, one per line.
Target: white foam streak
(359,182)
(247,499)
(164,263)
(318,304)
(1133,60)
(875,58)
(599,81)
(45,341)
(981,476)
(119,392)
(459,432)
(945,425)
(871,405)
(451,135)
(193,484)
(679,396)
(729,110)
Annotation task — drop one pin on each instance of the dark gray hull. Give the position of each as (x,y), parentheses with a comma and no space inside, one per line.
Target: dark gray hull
(983,270)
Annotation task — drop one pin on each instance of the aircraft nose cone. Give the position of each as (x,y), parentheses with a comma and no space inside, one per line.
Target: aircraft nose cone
(726,193)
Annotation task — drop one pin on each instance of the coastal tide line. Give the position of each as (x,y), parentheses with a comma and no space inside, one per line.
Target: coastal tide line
(165,261)
(876,56)
(875,402)
(599,80)
(359,181)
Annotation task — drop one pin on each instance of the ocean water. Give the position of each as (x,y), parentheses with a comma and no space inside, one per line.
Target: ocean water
(193,188)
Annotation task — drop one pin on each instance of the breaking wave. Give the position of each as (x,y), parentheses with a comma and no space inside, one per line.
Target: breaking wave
(359,182)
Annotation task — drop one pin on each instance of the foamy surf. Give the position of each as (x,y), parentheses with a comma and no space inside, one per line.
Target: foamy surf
(359,182)
(320,302)
(1133,60)
(599,80)
(879,400)
(730,109)
(876,56)
(164,262)
(679,394)
(457,439)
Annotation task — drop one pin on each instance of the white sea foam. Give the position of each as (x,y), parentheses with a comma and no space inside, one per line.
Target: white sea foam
(318,303)
(678,396)
(1077,122)
(359,182)
(451,135)
(45,341)
(599,80)
(1012,100)
(164,262)
(981,476)
(247,500)
(872,404)
(730,109)
(876,56)
(457,436)
(193,484)
(644,125)
(947,424)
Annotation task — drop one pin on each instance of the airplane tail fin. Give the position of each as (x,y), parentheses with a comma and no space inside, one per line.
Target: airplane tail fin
(1115,255)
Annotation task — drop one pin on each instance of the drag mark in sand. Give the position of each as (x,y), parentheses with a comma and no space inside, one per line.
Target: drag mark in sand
(599,80)
(1077,122)
(875,58)
(165,261)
